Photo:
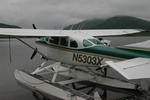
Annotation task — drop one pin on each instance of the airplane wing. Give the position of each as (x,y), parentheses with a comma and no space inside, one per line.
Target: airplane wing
(31,32)
(112,32)
(137,68)
(43,33)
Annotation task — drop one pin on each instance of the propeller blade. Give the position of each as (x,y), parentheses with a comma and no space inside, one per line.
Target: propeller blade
(34,27)
(34,53)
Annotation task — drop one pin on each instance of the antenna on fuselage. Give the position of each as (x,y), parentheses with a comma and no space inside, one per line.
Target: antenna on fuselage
(79,27)
(72,26)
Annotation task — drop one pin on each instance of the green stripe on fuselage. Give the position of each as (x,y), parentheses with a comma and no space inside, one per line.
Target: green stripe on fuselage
(117,52)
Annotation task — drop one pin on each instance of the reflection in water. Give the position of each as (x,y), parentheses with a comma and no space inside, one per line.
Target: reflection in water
(10,90)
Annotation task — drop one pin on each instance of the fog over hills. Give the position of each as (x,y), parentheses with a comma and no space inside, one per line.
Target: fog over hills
(2,25)
(117,22)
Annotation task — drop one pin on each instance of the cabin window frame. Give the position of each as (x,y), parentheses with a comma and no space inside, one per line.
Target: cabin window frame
(60,44)
(76,43)
(63,44)
(52,41)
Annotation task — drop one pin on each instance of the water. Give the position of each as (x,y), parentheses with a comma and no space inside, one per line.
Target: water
(9,89)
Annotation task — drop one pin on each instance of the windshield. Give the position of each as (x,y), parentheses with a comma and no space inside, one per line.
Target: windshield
(86,43)
(97,42)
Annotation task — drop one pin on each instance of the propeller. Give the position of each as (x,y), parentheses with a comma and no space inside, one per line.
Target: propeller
(35,50)
(34,27)
(34,53)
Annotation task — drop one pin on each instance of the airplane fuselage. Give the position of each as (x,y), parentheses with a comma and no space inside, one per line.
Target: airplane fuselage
(72,56)
(90,56)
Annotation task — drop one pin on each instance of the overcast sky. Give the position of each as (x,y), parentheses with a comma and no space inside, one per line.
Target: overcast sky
(58,13)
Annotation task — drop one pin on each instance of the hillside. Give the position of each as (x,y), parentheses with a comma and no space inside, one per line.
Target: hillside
(8,26)
(118,22)
(87,24)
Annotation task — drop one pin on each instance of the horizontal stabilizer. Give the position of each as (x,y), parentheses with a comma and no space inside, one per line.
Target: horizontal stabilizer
(145,45)
(137,68)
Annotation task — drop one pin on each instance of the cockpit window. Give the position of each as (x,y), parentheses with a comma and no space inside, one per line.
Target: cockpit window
(86,43)
(97,42)
(73,43)
(54,40)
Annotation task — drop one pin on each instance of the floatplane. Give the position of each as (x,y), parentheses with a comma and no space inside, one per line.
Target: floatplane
(82,57)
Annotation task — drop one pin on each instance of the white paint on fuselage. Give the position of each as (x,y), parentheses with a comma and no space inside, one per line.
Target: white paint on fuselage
(66,56)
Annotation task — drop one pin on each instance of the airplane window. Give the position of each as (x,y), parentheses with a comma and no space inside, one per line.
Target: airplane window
(46,39)
(64,41)
(95,41)
(86,43)
(54,40)
(73,44)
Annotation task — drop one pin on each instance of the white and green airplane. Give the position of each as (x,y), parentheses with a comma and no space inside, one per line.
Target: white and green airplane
(82,48)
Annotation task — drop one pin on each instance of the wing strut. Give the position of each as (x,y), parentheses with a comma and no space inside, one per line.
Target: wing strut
(10,58)
(35,49)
